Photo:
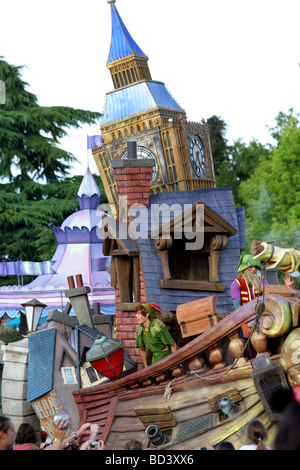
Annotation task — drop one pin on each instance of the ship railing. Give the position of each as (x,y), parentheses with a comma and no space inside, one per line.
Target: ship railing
(222,347)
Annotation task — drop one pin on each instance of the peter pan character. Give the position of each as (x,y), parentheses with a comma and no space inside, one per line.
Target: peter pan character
(153,334)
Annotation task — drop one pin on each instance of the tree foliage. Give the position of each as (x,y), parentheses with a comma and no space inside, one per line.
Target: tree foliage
(263,178)
(27,218)
(30,133)
(272,193)
(36,192)
(233,163)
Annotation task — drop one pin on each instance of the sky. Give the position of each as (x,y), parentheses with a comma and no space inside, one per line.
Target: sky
(236,59)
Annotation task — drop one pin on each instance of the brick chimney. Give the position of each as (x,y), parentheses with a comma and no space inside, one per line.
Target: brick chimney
(133,178)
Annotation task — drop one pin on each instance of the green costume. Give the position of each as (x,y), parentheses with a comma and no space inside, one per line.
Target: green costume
(157,339)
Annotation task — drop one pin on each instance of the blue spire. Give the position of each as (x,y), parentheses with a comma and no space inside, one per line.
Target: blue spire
(122,45)
(88,195)
(88,185)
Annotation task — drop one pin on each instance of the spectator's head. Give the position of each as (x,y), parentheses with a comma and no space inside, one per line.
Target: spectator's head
(26,434)
(288,434)
(7,433)
(133,444)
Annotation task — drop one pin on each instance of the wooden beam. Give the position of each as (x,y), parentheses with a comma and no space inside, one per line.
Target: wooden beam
(192,285)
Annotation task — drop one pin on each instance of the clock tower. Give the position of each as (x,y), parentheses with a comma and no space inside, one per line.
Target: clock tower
(142,109)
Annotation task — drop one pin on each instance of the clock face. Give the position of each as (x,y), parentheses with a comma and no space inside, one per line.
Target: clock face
(143,152)
(197,155)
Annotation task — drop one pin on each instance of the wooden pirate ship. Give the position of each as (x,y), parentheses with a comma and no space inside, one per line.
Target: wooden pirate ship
(215,383)
(182,395)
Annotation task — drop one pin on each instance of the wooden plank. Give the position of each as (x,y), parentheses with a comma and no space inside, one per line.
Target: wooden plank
(126,306)
(222,432)
(136,278)
(123,266)
(154,418)
(126,425)
(198,326)
(233,394)
(164,424)
(97,404)
(152,410)
(95,396)
(192,285)
(110,418)
(101,414)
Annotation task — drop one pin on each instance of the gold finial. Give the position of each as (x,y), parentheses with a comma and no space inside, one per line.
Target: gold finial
(111,1)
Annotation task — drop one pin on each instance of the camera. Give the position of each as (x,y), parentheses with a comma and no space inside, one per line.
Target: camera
(62,416)
(94,445)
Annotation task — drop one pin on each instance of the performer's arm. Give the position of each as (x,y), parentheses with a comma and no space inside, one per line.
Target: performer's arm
(143,357)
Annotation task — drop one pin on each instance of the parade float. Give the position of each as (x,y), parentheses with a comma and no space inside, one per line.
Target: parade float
(175,239)
(216,382)
(211,388)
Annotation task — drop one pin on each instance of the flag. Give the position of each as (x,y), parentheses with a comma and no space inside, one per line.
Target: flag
(93,141)
(21,268)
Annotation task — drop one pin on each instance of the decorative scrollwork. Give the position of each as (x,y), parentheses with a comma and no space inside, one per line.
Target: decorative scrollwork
(276,319)
(163,243)
(218,242)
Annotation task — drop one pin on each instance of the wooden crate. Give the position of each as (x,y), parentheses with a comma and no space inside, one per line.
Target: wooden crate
(283,290)
(197,316)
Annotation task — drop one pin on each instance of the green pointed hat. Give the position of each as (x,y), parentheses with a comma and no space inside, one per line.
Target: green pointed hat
(246,261)
(151,308)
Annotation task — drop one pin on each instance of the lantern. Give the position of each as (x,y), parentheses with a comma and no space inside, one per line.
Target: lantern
(33,312)
(106,355)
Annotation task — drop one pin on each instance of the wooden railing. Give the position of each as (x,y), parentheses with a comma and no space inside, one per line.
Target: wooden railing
(206,352)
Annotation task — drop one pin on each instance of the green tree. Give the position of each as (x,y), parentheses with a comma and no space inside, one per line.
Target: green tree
(35,193)
(244,160)
(272,194)
(30,133)
(233,163)
(217,133)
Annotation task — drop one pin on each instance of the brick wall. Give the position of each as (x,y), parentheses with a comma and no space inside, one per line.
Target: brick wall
(133,179)
(126,326)
(134,183)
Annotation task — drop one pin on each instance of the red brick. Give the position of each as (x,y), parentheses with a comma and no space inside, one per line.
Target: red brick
(123,190)
(132,328)
(122,177)
(122,328)
(128,184)
(147,169)
(130,351)
(139,177)
(131,196)
(131,171)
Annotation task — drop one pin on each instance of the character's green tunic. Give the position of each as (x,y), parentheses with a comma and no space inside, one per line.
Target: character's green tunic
(157,339)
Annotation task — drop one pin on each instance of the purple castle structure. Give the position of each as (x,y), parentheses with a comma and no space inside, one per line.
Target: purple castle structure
(79,251)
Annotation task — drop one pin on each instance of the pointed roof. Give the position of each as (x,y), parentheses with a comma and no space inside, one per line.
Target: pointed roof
(88,185)
(88,195)
(122,44)
(136,99)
